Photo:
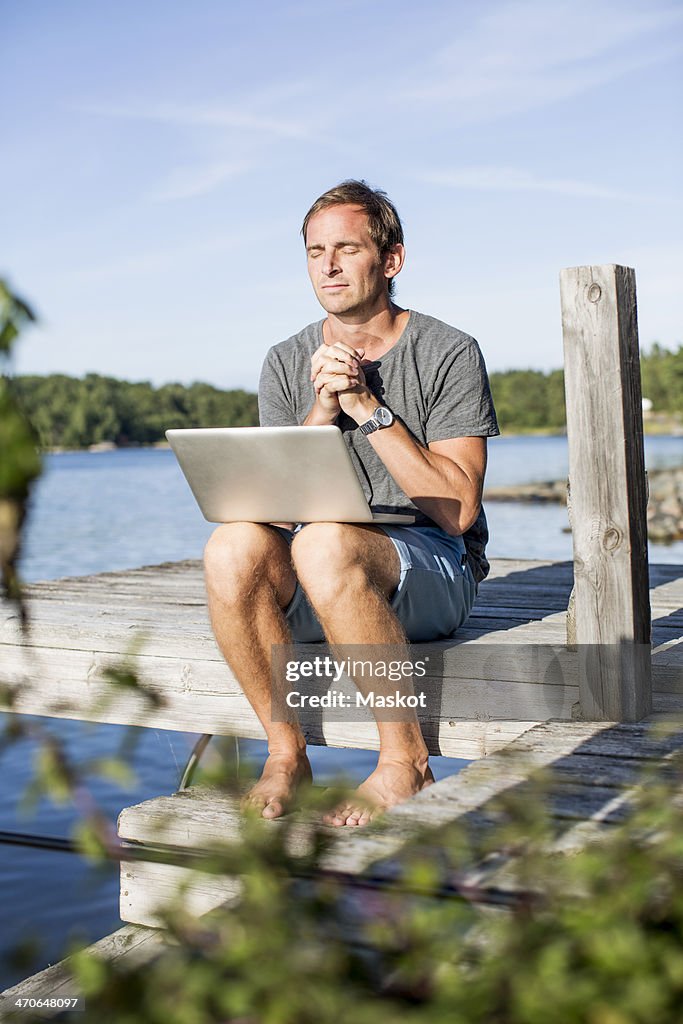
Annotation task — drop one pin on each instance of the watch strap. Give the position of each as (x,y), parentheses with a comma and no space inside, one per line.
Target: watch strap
(370,426)
(376,421)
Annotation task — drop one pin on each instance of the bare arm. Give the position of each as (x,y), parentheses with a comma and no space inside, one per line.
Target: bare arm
(444,481)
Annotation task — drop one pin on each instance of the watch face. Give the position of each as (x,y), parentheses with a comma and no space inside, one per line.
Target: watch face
(384,417)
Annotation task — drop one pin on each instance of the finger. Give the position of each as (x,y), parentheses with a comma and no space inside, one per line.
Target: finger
(342,345)
(334,363)
(327,374)
(334,383)
(336,370)
(345,352)
(360,375)
(317,360)
(320,355)
(339,350)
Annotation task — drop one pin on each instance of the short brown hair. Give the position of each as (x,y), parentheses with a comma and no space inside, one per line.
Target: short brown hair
(384,223)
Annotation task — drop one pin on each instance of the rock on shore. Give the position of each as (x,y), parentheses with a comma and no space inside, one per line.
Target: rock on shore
(664,507)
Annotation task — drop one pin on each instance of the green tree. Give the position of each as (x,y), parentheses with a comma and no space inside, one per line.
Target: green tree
(73,413)
(662,379)
(20,463)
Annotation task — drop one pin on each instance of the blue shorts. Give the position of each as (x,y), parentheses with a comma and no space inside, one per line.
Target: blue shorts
(435,593)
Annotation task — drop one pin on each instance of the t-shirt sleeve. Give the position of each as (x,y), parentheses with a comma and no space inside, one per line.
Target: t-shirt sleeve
(461,404)
(275,400)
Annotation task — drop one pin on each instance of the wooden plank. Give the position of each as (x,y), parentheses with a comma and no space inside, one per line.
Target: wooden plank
(468,657)
(202,696)
(199,672)
(94,602)
(593,761)
(193,820)
(149,889)
(607,482)
(189,635)
(189,573)
(202,819)
(138,945)
(192,636)
(183,633)
(59,669)
(595,769)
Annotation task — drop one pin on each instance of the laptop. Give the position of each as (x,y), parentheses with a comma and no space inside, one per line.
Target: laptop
(274,475)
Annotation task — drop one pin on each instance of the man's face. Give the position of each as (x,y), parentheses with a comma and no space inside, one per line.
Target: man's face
(345,268)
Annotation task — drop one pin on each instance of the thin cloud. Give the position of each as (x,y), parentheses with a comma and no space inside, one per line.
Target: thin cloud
(209,115)
(512,179)
(525,55)
(163,259)
(249,126)
(189,182)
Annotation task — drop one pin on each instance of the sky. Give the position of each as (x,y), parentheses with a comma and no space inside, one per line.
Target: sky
(158,159)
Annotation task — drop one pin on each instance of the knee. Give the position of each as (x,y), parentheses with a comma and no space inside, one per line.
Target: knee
(324,554)
(239,554)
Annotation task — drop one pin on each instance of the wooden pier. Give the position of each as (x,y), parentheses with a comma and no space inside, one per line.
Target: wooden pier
(157,615)
(533,673)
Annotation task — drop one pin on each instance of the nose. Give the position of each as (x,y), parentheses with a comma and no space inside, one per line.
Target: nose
(330,265)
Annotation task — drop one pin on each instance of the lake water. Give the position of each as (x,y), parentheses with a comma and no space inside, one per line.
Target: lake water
(93,512)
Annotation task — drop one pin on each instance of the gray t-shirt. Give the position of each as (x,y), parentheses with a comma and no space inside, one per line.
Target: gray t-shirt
(433,379)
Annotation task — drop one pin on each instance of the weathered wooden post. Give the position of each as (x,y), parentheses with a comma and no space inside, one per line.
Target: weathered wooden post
(608,492)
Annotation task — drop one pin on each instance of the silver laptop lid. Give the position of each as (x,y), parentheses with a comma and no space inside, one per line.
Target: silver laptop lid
(273,474)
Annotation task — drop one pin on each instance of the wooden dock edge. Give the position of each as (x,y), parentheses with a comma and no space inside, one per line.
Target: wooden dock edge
(139,945)
(601,762)
(598,766)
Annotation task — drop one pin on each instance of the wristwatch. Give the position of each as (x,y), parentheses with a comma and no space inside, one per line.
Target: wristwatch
(381,417)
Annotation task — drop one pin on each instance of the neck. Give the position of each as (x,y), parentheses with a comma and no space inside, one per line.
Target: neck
(375,332)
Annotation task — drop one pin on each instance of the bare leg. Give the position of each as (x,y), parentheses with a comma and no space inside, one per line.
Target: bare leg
(249,580)
(349,572)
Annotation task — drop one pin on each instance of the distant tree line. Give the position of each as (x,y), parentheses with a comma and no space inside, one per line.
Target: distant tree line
(662,377)
(532,400)
(529,400)
(69,412)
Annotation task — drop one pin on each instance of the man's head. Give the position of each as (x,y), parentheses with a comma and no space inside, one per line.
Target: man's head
(356,213)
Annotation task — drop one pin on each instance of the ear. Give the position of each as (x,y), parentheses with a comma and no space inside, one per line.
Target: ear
(393,261)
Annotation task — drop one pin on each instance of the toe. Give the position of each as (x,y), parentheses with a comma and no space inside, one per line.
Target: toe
(348,814)
(273,809)
(337,816)
(360,815)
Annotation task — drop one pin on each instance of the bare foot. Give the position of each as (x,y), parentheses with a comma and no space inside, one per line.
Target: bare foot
(275,792)
(391,783)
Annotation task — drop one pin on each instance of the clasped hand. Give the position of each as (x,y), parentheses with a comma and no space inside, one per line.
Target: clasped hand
(338,377)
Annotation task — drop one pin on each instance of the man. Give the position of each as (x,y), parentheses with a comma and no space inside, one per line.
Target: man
(423,452)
